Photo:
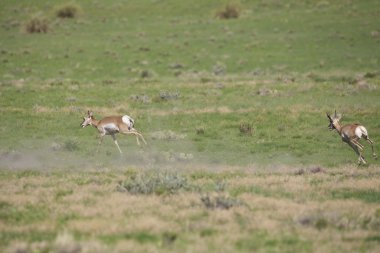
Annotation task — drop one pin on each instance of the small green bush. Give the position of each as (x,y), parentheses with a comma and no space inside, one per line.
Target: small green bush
(37,24)
(68,11)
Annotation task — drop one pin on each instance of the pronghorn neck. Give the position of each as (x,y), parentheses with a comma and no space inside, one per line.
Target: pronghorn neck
(338,127)
(94,122)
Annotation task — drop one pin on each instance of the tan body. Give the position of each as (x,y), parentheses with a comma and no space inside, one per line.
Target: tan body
(112,125)
(351,134)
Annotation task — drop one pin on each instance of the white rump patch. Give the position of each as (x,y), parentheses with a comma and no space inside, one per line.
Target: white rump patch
(128,121)
(360,130)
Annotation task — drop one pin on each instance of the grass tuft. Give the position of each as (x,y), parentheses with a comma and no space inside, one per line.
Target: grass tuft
(68,10)
(230,11)
(37,24)
(167,96)
(200,130)
(220,202)
(71,145)
(246,128)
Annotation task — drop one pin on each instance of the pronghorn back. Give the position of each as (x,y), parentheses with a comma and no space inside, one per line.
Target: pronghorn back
(354,130)
(114,123)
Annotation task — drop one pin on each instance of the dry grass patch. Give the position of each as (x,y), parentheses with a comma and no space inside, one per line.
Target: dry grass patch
(294,208)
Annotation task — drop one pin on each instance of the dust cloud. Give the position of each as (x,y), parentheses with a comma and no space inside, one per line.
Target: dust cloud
(180,154)
(49,156)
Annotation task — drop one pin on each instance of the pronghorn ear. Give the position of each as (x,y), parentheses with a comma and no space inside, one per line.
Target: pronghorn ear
(89,113)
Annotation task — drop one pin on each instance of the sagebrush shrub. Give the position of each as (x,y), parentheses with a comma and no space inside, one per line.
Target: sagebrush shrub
(155,182)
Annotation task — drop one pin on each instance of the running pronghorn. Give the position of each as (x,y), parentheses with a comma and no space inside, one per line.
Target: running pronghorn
(111,126)
(351,134)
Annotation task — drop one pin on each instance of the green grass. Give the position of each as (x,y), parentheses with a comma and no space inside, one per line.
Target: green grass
(142,237)
(282,243)
(7,237)
(370,196)
(267,37)
(290,128)
(27,214)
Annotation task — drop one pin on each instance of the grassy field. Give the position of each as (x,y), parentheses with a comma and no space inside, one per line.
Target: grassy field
(239,156)
(189,210)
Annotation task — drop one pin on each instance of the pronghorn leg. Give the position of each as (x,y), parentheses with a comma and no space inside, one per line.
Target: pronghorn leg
(134,132)
(129,132)
(355,147)
(371,142)
(138,141)
(114,139)
(100,142)
(139,135)
(358,144)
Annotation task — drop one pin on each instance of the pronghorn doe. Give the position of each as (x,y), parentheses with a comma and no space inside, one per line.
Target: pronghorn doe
(111,126)
(351,134)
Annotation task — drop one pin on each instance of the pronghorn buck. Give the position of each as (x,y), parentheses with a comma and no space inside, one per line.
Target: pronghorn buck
(351,134)
(111,126)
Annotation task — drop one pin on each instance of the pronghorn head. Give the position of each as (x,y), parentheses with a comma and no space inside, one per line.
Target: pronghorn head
(334,121)
(87,120)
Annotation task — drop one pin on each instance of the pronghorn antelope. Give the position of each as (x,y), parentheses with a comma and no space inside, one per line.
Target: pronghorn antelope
(111,126)
(351,134)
